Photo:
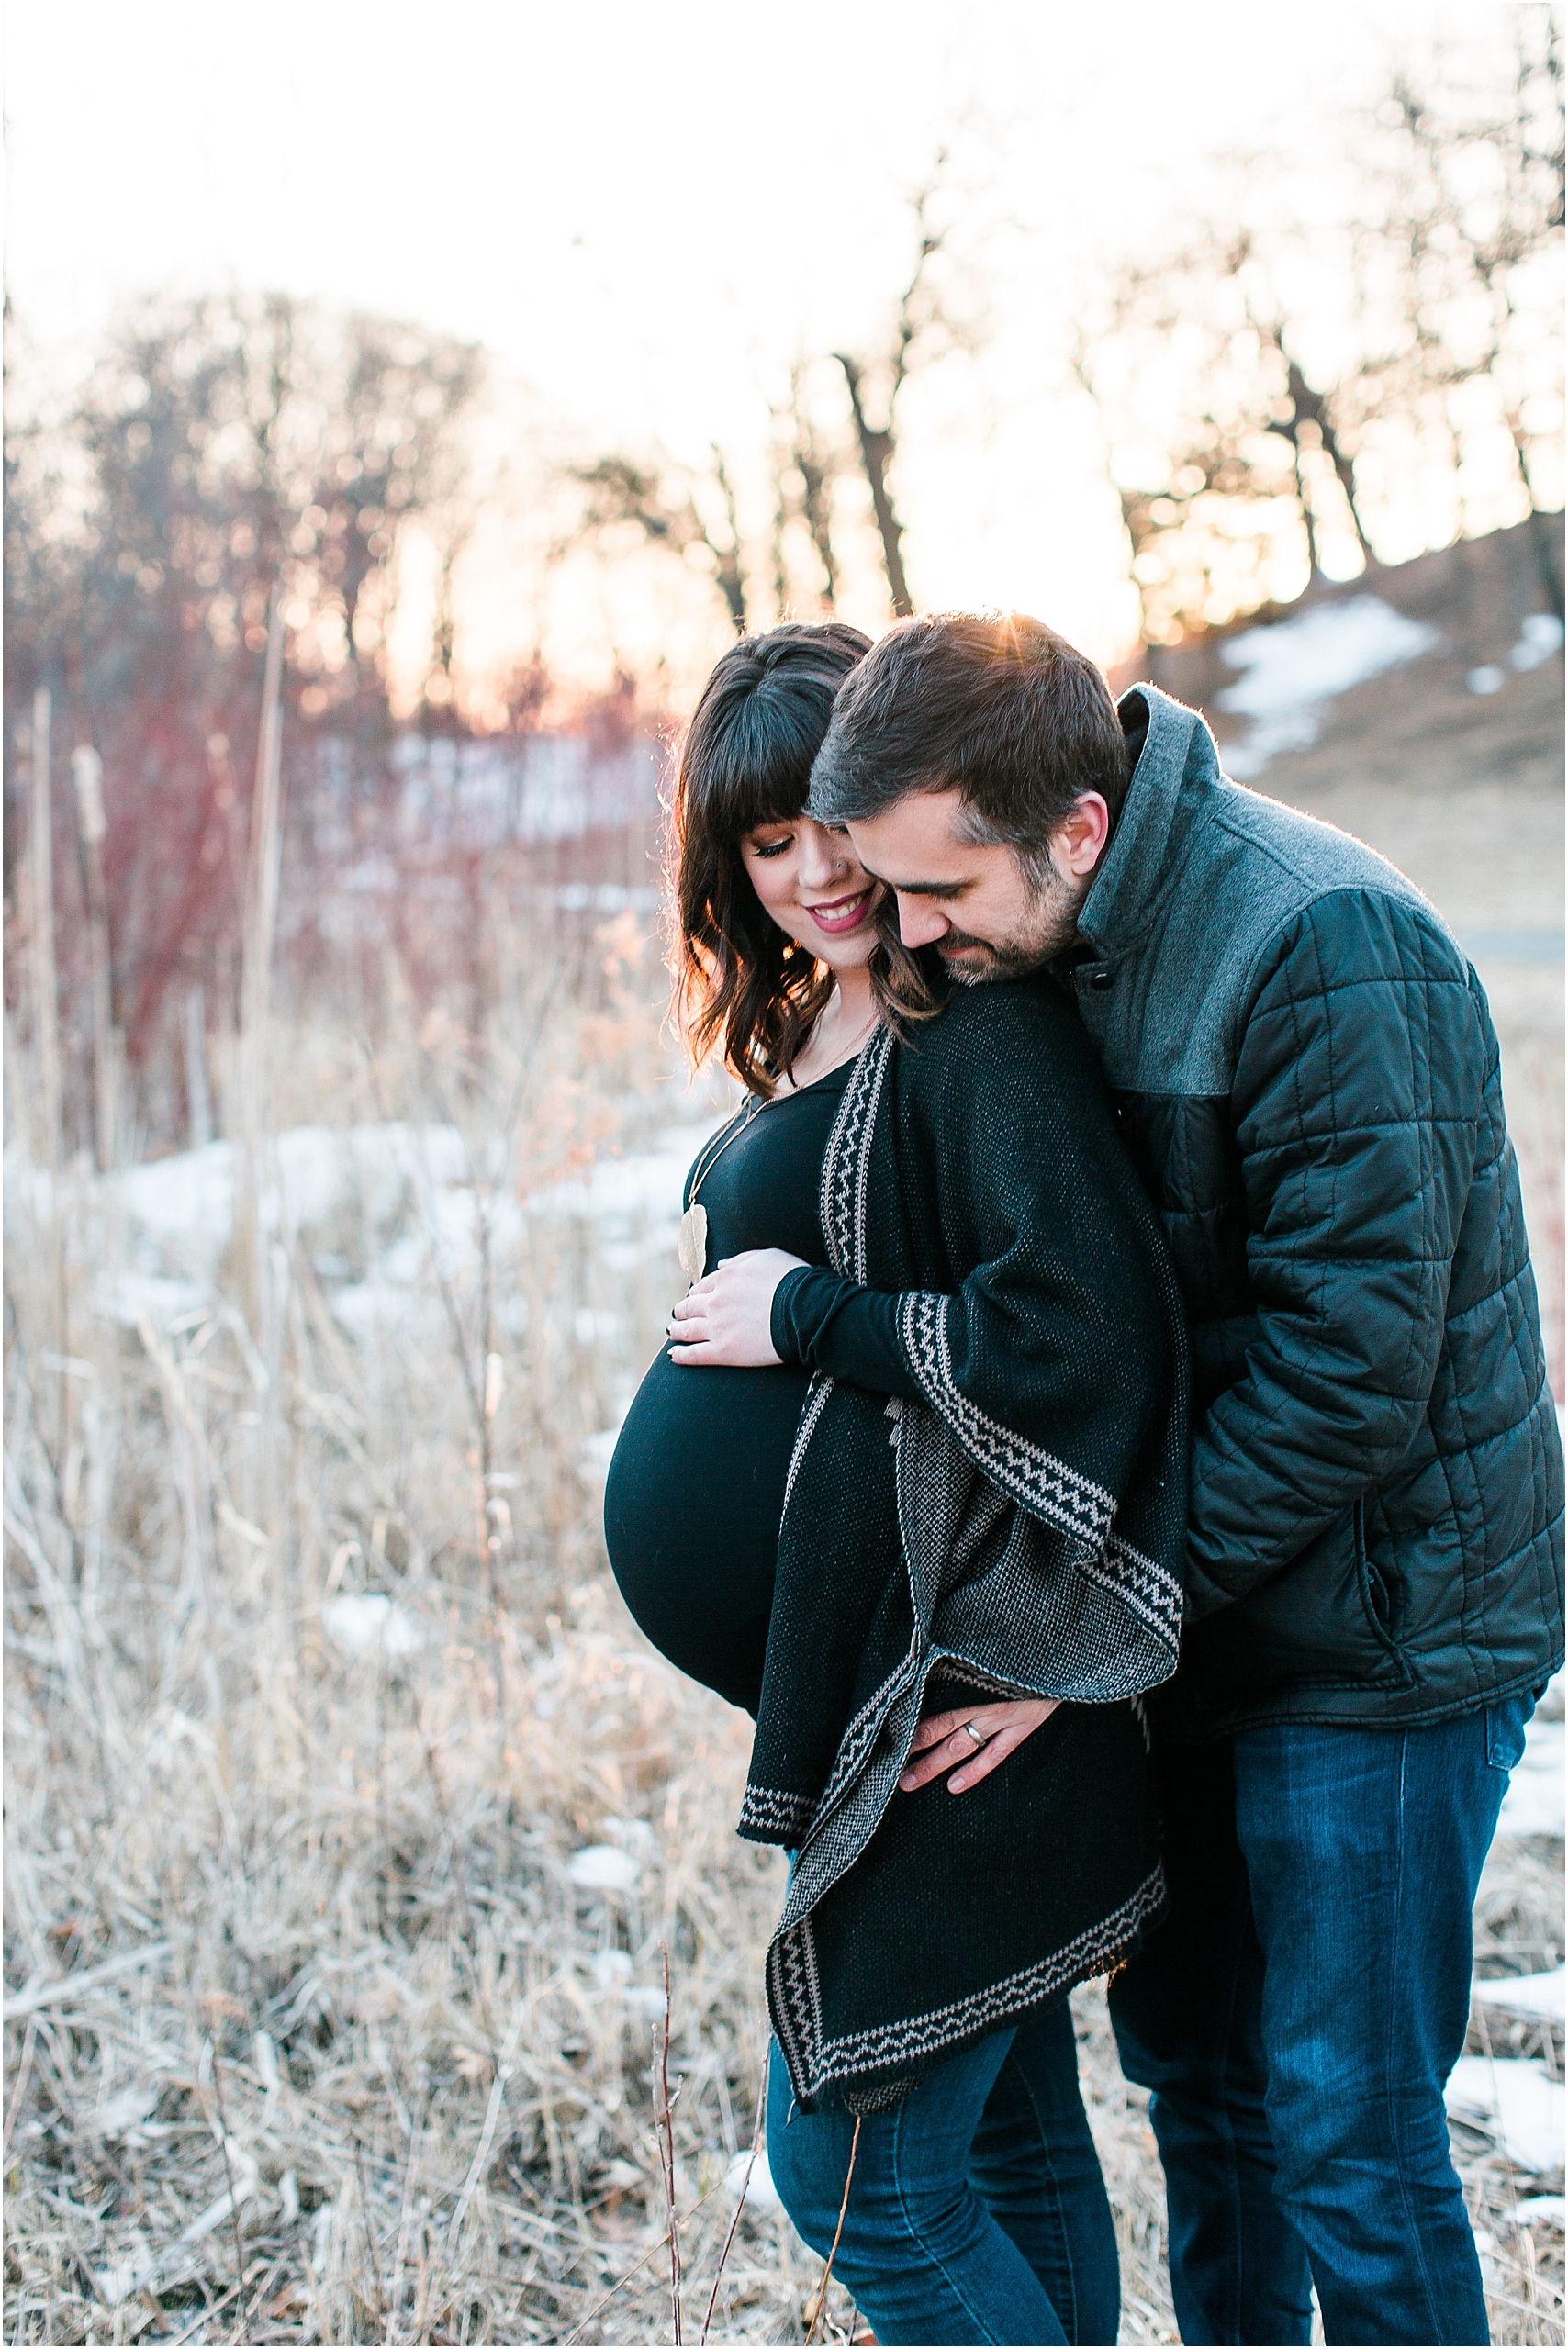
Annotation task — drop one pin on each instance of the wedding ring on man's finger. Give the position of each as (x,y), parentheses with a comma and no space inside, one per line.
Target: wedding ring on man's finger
(970,1730)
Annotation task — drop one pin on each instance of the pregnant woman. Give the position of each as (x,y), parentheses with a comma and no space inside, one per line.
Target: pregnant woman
(911,1479)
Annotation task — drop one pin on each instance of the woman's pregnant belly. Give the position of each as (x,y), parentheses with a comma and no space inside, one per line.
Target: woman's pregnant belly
(692,1506)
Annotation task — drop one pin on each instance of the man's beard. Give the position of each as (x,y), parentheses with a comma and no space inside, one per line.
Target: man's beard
(1050,923)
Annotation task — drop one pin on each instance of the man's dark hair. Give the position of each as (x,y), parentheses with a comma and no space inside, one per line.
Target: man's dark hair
(994,705)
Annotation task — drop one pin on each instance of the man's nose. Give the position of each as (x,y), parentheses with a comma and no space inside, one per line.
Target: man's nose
(920,922)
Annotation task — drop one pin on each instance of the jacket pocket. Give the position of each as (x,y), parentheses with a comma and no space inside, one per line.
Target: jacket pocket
(1325,1620)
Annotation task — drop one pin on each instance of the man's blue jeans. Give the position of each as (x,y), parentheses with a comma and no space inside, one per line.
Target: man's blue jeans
(977,2211)
(1297,2015)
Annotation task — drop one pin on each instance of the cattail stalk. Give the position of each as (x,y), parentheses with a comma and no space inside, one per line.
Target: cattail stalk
(92,824)
(261,923)
(46,1002)
(199,1091)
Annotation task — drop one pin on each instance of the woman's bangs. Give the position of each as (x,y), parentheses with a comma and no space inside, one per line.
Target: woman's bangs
(755,791)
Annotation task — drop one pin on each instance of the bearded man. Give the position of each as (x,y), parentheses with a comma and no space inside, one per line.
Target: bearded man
(1305,1071)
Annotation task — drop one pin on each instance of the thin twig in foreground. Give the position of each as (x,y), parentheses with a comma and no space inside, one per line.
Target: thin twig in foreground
(229,2171)
(756,2138)
(20,2090)
(368,2216)
(833,2255)
(652,2253)
(210,2310)
(667,2152)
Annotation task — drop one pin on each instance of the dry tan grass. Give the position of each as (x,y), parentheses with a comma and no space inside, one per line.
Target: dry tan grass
(318,2039)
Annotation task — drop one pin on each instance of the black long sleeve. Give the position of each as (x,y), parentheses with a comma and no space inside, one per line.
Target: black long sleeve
(826,1323)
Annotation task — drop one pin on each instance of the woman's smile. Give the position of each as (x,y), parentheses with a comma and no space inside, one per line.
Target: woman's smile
(786,859)
(843,913)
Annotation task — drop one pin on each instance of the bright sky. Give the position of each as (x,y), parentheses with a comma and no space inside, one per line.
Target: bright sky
(647,211)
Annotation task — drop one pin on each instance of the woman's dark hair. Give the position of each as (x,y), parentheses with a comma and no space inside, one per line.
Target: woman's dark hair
(747,760)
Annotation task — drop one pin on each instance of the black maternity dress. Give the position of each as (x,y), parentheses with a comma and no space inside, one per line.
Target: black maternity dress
(695,1492)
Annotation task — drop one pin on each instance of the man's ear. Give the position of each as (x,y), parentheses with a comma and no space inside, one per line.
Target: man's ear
(1080,841)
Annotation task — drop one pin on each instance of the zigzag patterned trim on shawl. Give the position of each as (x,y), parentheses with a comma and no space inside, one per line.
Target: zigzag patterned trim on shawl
(796,2000)
(1144,1588)
(844,1161)
(861,1735)
(773,1810)
(919,2036)
(954,1667)
(1046,1485)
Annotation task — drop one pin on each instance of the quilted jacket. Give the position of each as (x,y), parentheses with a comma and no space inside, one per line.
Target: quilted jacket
(1306,1073)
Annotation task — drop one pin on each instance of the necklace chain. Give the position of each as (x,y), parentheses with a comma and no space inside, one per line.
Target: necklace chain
(748,1115)
(711,1158)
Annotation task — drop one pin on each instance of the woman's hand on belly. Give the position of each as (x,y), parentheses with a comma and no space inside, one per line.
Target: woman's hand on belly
(726,1320)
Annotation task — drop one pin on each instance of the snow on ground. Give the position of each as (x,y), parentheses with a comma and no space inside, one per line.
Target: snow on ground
(1517,2100)
(1296,666)
(1519,2104)
(1524,1993)
(377,1208)
(1533,1804)
(1540,636)
(622,1189)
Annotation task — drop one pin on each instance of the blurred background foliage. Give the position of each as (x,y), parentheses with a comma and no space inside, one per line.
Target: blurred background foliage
(1266,385)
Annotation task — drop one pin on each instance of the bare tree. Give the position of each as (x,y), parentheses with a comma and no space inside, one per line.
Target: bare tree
(926,326)
(665,504)
(1201,412)
(806,464)
(1473,198)
(224,454)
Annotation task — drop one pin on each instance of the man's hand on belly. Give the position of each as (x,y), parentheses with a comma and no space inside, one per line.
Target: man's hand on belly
(945,1739)
(725,1321)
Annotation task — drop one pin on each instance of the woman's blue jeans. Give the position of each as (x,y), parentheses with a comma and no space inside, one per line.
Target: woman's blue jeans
(1297,2014)
(977,2211)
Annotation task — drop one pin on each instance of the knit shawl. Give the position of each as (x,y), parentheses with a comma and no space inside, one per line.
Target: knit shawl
(1019,1532)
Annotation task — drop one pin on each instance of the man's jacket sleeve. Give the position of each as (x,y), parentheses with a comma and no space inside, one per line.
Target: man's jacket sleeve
(1357,1108)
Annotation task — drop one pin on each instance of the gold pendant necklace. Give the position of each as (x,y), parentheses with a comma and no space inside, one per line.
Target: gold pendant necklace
(691,1243)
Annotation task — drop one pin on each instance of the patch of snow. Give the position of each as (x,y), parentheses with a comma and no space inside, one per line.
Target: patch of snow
(611,1969)
(186,1201)
(649,1182)
(598,1325)
(128,1297)
(1534,2207)
(1518,2104)
(120,2116)
(595,1453)
(761,2194)
(1533,1804)
(1296,665)
(1523,1994)
(1540,637)
(633,1835)
(367,1309)
(1487,679)
(576,897)
(356,1622)
(603,1867)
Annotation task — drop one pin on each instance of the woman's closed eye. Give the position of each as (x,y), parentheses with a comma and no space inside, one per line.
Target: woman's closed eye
(772,847)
